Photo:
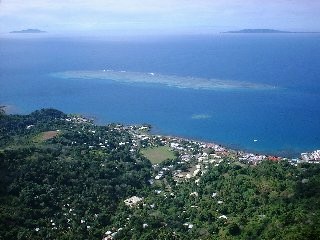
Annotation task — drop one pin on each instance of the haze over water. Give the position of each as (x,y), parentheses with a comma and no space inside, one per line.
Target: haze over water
(284,120)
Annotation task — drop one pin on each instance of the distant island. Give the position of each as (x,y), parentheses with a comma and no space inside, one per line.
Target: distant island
(263,31)
(29,31)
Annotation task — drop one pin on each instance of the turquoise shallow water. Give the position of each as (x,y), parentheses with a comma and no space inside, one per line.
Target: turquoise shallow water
(285,121)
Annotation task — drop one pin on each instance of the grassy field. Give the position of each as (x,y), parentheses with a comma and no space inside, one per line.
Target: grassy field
(45,136)
(158,154)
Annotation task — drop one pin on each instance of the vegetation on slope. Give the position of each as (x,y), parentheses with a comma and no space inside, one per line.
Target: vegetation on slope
(72,185)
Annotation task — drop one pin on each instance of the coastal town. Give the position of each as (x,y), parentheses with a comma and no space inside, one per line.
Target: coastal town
(191,158)
(203,153)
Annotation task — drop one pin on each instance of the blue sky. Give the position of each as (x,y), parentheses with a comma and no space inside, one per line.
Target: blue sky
(158,16)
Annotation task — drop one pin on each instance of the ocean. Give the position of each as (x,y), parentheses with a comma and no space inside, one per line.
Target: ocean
(283,119)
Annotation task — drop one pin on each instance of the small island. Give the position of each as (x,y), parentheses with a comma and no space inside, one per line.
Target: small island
(29,31)
(263,31)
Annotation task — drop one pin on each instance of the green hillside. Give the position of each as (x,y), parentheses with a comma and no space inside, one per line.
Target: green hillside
(63,177)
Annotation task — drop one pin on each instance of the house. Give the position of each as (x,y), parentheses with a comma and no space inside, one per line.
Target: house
(196,172)
(132,201)
(194,194)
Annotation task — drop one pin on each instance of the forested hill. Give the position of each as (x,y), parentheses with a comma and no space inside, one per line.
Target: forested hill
(63,177)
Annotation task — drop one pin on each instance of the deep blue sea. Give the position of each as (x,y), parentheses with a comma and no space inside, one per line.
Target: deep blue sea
(284,121)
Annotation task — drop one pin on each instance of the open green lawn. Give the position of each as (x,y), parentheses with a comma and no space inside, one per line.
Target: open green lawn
(158,154)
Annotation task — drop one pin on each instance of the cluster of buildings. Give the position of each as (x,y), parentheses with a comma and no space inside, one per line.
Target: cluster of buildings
(312,157)
(198,156)
(190,151)
(194,157)
(78,119)
(192,161)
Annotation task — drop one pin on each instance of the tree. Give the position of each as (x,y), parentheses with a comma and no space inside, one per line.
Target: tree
(2,111)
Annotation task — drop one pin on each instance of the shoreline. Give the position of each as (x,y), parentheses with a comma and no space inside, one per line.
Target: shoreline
(240,154)
(234,147)
(305,155)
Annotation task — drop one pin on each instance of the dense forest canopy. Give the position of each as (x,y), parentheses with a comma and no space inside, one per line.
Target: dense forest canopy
(63,177)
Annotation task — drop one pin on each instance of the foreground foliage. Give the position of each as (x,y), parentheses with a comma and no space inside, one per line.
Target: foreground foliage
(73,186)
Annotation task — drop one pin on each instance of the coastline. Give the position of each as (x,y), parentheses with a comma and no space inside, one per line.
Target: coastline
(312,155)
(307,155)
(222,150)
(233,147)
